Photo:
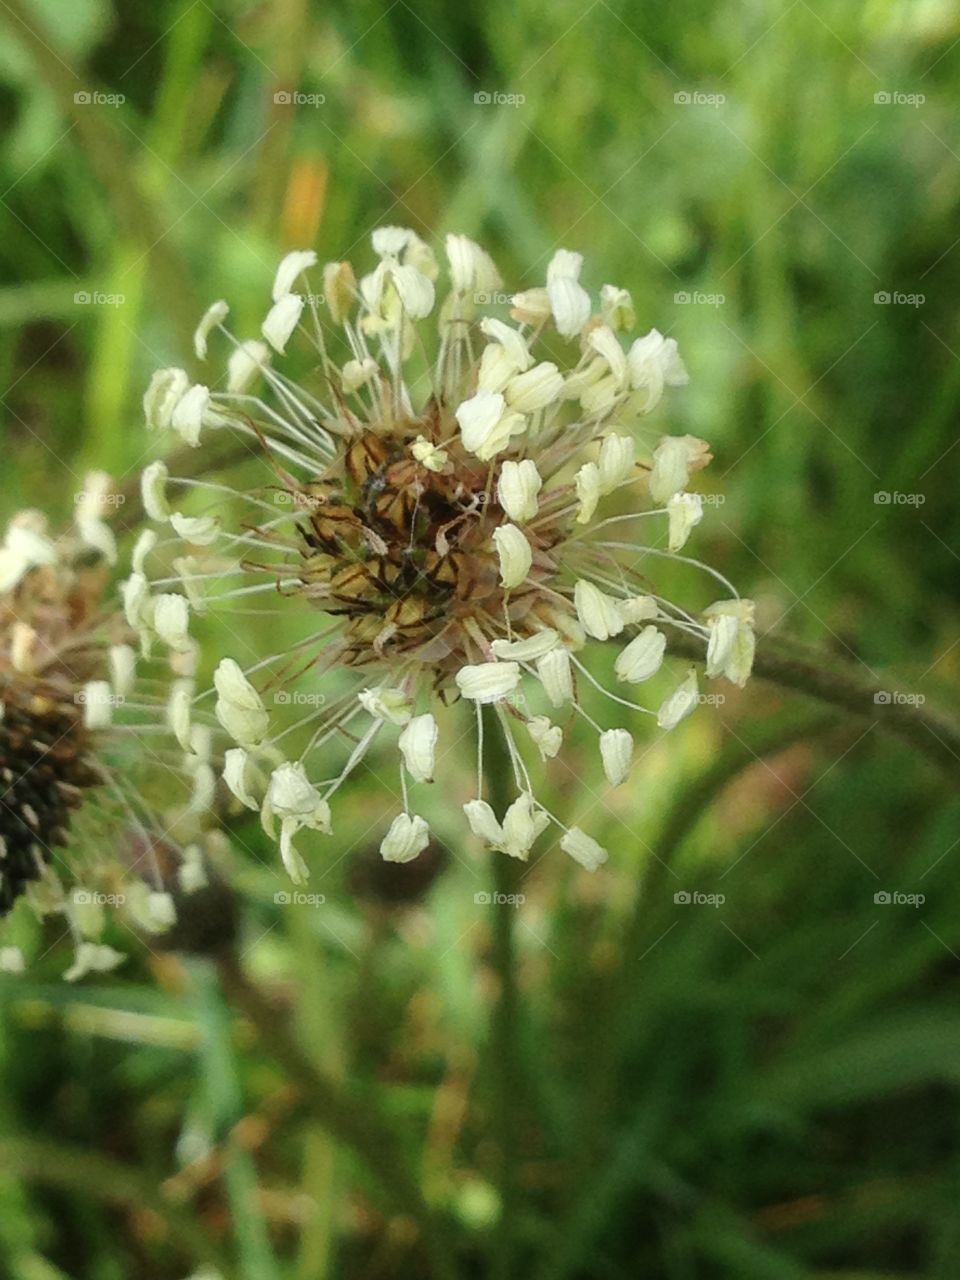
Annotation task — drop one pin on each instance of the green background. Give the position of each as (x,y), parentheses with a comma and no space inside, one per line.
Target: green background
(764,1088)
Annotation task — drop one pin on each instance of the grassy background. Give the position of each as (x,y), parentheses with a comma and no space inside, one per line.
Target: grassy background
(768,1088)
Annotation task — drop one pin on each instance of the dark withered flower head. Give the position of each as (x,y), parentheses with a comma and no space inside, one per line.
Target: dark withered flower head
(78,729)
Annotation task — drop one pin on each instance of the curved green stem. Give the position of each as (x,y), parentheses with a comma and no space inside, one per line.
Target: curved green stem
(849,688)
(89,1173)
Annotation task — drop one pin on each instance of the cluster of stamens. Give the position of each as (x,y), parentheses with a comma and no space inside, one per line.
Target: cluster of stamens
(445,514)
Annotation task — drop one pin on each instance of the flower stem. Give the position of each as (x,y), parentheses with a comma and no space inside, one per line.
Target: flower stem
(849,688)
(88,1173)
(505,1021)
(354,1122)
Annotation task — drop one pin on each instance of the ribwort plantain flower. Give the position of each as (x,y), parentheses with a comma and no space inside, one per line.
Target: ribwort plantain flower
(75,721)
(451,485)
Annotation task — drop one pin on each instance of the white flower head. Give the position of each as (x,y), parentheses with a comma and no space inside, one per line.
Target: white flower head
(598,612)
(387,704)
(282,318)
(515,555)
(247,362)
(587,483)
(189,414)
(731,646)
(616,307)
(153,490)
(418,744)
(642,657)
(214,315)
(535,389)
(289,271)
(517,489)
(93,957)
(546,736)
(471,268)
(617,462)
(239,707)
(556,676)
(583,849)
(488,681)
(407,838)
(616,751)
(654,364)
(293,799)
(243,778)
(291,794)
(528,649)
(170,620)
(339,290)
(429,455)
(426,529)
(167,388)
(674,460)
(123,668)
(98,703)
(523,822)
(684,511)
(486,426)
(680,703)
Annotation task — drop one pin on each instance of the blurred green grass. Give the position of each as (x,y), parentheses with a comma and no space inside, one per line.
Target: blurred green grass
(767,1088)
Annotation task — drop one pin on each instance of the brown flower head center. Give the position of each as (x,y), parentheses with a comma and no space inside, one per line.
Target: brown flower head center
(406,553)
